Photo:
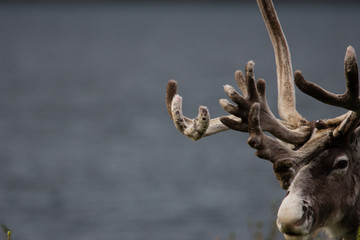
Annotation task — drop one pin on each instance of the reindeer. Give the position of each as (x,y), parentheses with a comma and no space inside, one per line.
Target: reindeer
(317,162)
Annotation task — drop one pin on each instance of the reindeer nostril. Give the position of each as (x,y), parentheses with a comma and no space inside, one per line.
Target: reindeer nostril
(304,208)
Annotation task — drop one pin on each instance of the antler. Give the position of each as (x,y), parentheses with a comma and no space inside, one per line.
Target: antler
(256,117)
(349,100)
(196,128)
(254,92)
(286,96)
(295,129)
(252,114)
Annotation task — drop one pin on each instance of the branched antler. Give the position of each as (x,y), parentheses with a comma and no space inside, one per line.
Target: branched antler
(296,140)
(349,100)
(196,128)
(255,92)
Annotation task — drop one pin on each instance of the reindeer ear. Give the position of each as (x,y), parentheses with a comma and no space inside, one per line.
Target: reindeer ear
(355,142)
(284,172)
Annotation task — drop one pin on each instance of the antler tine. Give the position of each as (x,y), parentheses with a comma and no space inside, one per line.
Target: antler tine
(196,128)
(352,90)
(285,161)
(240,80)
(349,100)
(171,90)
(267,147)
(286,97)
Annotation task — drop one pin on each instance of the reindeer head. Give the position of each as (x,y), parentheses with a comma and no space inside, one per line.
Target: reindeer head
(317,162)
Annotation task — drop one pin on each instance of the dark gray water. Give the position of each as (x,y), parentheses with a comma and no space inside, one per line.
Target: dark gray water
(87,150)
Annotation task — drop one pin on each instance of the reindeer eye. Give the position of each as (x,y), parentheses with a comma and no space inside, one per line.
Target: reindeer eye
(341,164)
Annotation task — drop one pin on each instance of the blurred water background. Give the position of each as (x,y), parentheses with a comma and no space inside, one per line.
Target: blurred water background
(87,150)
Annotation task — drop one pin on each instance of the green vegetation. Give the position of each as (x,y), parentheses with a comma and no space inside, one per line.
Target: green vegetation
(7,231)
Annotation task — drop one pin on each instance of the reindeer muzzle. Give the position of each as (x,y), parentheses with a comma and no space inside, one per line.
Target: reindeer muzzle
(295,218)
